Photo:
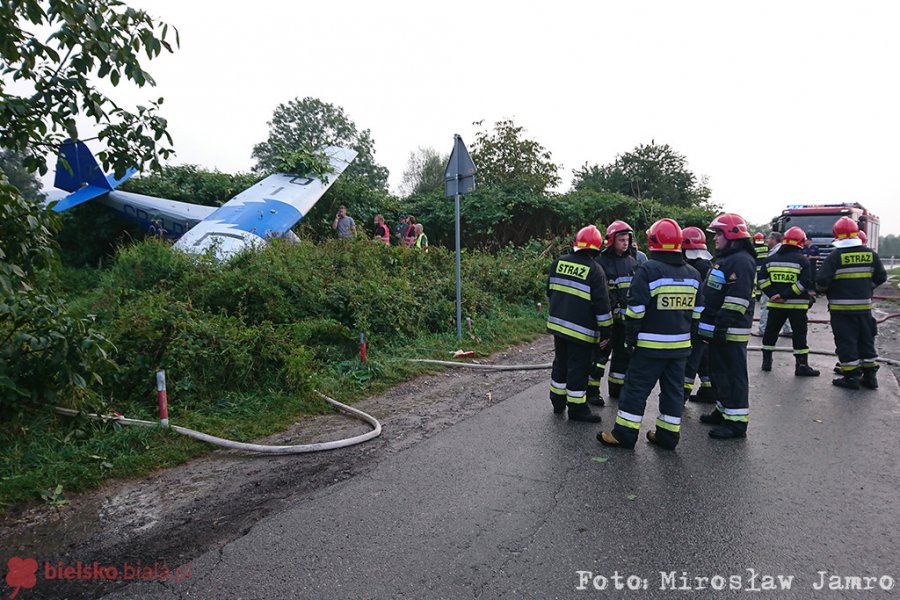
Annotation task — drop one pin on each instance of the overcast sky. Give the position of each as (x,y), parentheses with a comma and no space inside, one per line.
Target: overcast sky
(776,102)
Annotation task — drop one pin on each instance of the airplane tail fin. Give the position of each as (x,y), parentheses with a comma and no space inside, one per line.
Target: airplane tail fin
(77,171)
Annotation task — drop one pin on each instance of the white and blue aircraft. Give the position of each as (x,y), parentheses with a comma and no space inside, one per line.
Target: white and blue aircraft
(266,210)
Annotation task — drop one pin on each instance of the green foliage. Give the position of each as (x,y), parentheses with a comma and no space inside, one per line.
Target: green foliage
(424,172)
(191,183)
(511,163)
(12,165)
(88,42)
(362,202)
(244,343)
(495,219)
(309,124)
(89,234)
(889,245)
(649,171)
(45,352)
(302,161)
(274,318)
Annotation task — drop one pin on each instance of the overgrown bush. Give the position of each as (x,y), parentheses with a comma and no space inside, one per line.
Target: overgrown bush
(274,318)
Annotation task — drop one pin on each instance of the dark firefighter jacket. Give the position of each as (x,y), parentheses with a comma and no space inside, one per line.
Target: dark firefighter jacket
(788,274)
(579,299)
(661,302)
(702,265)
(848,276)
(727,309)
(619,270)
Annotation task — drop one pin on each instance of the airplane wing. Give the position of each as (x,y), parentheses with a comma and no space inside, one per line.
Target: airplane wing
(267,209)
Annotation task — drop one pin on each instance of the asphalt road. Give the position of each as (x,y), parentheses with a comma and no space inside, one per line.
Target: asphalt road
(513,503)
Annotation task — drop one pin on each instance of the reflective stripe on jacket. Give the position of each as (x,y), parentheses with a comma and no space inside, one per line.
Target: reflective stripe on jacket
(788,274)
(728,296)
(661,302)
(579,299)
(849,276)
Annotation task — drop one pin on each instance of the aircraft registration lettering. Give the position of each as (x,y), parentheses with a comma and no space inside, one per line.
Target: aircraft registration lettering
(571,269)
(856,258)
(675,301)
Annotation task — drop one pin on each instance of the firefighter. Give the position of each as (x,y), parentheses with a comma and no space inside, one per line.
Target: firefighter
(661,302)
(762,251)
(696,254)
(580,321)
(848,276)
(786,279)
(619,263)
(725,322)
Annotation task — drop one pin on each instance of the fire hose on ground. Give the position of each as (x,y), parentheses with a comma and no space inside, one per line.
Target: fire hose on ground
(258,448)
(376,426)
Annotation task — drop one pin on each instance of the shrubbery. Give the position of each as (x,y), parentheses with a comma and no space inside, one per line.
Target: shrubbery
(272,319)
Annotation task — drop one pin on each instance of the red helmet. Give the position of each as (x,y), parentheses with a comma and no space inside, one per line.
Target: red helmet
(758,236)
(614,229)
(863,237)
(664,236)
(588,238)
(845,228)
(694,239)
(733,226)
(794,237)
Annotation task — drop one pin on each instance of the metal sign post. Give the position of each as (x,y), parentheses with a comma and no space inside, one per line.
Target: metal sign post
(459,178)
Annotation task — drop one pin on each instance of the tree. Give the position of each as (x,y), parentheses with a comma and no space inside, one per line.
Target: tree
(88,41)
(648,171)
(45,352)
(12,165)
(305,126)
(424,172)
(506,160)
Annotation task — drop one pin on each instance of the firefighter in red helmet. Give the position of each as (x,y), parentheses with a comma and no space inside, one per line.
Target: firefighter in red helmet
(697,255)
(660,307)
(786,279)
(762,251)
(619,263)
(848,276)
(580,320)
(725,323)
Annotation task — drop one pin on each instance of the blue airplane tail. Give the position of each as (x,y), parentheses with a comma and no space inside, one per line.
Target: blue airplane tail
(77,171)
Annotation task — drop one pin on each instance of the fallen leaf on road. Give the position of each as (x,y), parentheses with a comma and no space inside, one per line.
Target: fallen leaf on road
(600,459)
(632,497)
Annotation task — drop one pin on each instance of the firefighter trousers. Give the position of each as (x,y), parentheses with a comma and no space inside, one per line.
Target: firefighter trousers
(571,367)
(615,358)
(728,370)
(799,326)
(698,364)
(854,340)
(645,370)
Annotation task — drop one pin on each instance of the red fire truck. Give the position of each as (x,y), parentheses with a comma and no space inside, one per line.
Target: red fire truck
(818,219)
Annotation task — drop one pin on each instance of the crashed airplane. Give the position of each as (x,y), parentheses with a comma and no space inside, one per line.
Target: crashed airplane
(266,210)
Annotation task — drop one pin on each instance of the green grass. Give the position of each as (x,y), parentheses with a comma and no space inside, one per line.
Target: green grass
(40,450)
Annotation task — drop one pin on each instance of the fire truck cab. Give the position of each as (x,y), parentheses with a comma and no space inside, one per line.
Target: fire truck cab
(818,219)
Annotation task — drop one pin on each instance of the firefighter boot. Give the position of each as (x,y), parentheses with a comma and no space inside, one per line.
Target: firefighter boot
(713,418)
(802,368)
(582,412)
(705,395)
(667,442)
(851,383)
(767,360)
(558,401)
(869,380)
(725,432)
